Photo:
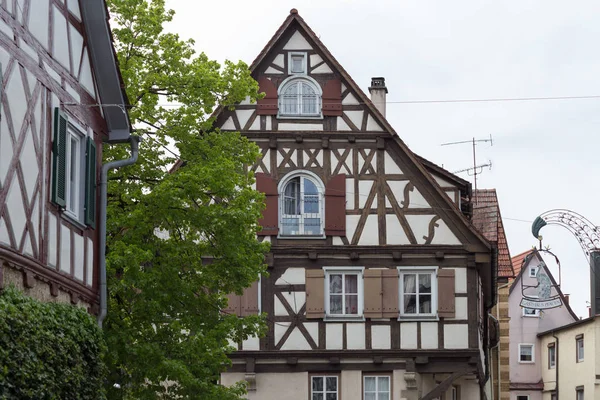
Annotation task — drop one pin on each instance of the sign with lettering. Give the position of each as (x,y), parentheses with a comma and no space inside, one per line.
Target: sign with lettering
(538,288)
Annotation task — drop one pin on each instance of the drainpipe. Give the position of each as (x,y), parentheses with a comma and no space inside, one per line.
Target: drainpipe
(134,142)
(557,365)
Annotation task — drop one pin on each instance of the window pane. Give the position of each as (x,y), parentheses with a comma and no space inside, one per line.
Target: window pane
(310,187)
(290,226)
(335,304)
(335,283)
(312,226)
(317,383)
(425,303)
(73,168)
(384,396)
(351,283)
(384,383)
(409,283)
(370,384)
(297,64)
(331,384)
(331,396)
(311,204)
(317,396)
(424,283)
(351,304)
(370,396)
(410,302)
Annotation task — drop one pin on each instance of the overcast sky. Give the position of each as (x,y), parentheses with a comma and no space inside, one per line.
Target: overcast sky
(543,152)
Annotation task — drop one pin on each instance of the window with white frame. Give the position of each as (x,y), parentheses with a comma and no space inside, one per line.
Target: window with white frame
(297,63)
(454,393)
(418,291)
(301,205)
(579,393)
(531,312)
(579,348)
(376,388)
(74,164)
(523,397)
(344,291)
(526,354)
(551,356)
(300,96)
(324,388)
(533,272)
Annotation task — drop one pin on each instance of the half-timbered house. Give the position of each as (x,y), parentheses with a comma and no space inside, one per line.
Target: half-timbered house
(61,98)
(378,286)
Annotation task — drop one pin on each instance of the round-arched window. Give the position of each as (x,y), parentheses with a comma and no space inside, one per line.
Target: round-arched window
(300,97)
(301,205)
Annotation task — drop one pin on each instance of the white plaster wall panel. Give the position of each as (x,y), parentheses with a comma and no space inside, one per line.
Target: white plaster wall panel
(73,93)
(349,194)
(300,127)
(416,199)
(351,385)
(30,51)
(27,246)
(397,188)
(279,386)
(460,280)
(267,161)
(342,125)
(297,42)
(350,99)
(443,234)
(7,30)
(15,209)
(399,384)
(296,341)
(79,260)
(370,233)
(460,307)
(295,299)
(356,117)
(65,249)
(4,238)
(9,7)
(381,337)
(73,6)
(364,188)
(246,101)
(90,262)
(255,125)
(76,49)
(53,74)
(86,78)
(52,240)
(351,223)
(280,329)
(35,220)
(333,336)
(61,46)
(390,165)
(451,195)
(395,233)
(228,125)
(314,59)
(322,69)
(355,336)
(408,335)
(361,161)
(456,336)
(6,149)
(345,165)
(442,182)
(29,164)
(252,343)
(269,123)
(313,330)
(243,116)
(419,225)
(267,239)
(4,55)
(343,88)
(18,101)
(429,335)
(337,241)
(372,125)
(271,70)
(292,276)
(279,60)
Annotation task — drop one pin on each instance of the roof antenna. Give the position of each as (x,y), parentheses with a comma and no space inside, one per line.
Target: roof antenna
(476,169)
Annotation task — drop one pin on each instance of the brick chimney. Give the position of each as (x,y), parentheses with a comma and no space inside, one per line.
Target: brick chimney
(378,93)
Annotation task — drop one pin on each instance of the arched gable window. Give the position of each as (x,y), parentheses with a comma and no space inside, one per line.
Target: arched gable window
(301,205)
(300,96)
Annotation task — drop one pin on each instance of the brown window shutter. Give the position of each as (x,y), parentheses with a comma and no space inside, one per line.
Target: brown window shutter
(389,286)
(335,206)
(373,293)
(446,293)
(234,304)
(269,221)
(332,97)
(250,300)
(315,293)
(268,104)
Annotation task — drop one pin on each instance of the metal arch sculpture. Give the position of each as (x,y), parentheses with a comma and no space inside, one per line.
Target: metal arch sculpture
(587,234)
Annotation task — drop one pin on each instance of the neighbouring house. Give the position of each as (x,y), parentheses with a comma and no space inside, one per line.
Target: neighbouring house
(488,220)
(569,361)
(379,287)
(531,355)
(61,98)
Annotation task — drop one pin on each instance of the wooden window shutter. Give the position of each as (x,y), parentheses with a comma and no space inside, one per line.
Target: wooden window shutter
(250,300)
(269,221)
(268,104)
(332,97)
(90,183)
(335,206)
(59,159)
(234,305)
(446,301)
(389,288)
(315,293)
(373,293)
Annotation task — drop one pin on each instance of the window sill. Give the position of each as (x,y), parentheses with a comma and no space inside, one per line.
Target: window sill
(312,237)
(531,316)
(71,219)
(407,318)
(526,362)
(315,117)
(343,318)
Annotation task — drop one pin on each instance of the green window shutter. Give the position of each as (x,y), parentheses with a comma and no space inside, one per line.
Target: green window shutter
(90,183)
(59,159)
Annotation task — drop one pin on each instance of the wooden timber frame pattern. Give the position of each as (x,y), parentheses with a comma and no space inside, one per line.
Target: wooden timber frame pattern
(36,81)
(396,210)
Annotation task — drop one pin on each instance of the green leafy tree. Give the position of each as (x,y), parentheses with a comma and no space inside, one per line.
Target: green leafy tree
(177,241)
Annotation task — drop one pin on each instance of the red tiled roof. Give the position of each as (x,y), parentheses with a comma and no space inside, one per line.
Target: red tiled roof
(517,261)
(487,220)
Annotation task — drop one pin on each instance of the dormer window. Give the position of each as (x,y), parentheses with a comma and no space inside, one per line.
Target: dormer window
(300,97)
(297,63)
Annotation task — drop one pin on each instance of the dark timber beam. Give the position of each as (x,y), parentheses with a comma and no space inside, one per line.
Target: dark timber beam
(444,385)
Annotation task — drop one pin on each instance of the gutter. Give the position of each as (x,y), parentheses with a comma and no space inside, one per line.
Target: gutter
(134,142)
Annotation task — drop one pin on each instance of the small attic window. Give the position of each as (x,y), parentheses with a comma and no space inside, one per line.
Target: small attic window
(297,63)
(533,272)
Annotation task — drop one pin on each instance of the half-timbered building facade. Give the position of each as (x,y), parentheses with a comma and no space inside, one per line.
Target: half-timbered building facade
(61,98)
(378,285)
